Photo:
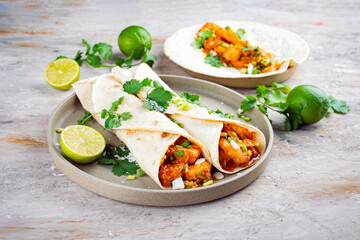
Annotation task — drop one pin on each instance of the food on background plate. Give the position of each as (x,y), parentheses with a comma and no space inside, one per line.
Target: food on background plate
(165,151)
(224,47)
(232,46)
(233,145)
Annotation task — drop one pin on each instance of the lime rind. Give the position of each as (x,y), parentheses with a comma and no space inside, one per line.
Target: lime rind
(82,144)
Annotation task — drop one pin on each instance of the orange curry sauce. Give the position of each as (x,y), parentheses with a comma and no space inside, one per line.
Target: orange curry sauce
(243,152)
(179,162)
(236,52)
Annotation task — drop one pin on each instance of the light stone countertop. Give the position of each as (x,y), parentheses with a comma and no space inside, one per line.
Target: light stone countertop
(309,190)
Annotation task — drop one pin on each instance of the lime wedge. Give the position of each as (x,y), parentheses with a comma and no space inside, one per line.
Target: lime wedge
(62,73)
(82,144)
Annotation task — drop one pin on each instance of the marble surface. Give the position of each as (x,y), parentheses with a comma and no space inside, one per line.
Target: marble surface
(309,190)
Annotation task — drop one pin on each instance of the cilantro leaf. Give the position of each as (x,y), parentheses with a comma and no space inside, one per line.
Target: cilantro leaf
(248,103)
(94,60)
(132,86)
(203,35)
(213,60)
(107,161)
(104,113)
(87,46)
(261,91)
(104,49)
(274,98)
(125,116)
(280,87)
(128,60)
(224,115)
(77,58)
(240,32)
(112,121)
(146,82)
(119,62)
(149,58)
(161,97)
(125,167)
(338,106)
(190,97)
(85,119)
(115,104)
(122,151)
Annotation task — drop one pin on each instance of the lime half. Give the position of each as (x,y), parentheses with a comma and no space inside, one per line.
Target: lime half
(82,144)
(62,73)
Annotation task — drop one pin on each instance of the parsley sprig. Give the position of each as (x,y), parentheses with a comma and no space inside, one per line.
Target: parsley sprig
(95,56)
(118,157)
(274,98)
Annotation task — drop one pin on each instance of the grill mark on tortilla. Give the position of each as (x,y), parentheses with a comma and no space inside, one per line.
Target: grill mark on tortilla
(165,134)
(155,122)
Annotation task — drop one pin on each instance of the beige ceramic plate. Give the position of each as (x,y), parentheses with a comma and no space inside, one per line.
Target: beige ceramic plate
(285,45)
(99,178)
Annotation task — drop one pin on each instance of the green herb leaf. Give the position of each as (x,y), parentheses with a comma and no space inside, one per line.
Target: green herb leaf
(261,91)
(104,49)
(213,61)
(179,153)
(338,106)
(107,161)
(193,99)
(104,113)
(280,87)
(240,32)
(125,116)
(85,119)
(186,143)
(124,167)
(77,58)
(128,60)
(115,105)
(248,103)
(203,35)
(112,121)
(146,82)
(94,60)
(132,86)
(119,62)
(158,99)
(149,58)
(87,46)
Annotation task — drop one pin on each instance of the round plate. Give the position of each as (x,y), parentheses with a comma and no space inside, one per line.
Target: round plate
(285,45)
(100,180)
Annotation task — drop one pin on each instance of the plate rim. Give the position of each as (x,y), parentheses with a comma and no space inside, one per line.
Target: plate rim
(56,154)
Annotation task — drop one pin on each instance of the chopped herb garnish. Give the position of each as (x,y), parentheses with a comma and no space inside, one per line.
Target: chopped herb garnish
(203,35)
(213,60)
(228,28)
(179,153)
(194,99)
(208,183)
(243,147)
(179,124)
(240,32)
(141,173)
(229,139)
(178,146)
(250,49)
(171,157)
(233,133)
(131,177)
(186,143)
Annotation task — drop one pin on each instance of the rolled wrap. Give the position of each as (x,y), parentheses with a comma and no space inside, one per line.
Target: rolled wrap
(148,134)
(197,121)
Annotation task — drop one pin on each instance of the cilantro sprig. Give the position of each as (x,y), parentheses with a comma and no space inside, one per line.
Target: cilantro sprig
(274,98)
(112,118)
(158,99)
(95,56)
(213,60)
(118,157)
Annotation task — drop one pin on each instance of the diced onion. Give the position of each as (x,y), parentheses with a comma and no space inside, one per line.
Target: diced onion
(200,160)
(239,111)
(178,183)
(233,143)
(218,175)
(250,68)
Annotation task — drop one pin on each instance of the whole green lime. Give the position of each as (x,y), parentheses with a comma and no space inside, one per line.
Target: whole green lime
(134,39)
(313,100)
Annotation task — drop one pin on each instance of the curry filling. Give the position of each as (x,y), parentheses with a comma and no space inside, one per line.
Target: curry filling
(237,147)
(236,52)
(180,160)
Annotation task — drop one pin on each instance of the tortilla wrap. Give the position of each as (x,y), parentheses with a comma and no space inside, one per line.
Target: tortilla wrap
(148,134)
(197,121)
(284,45)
